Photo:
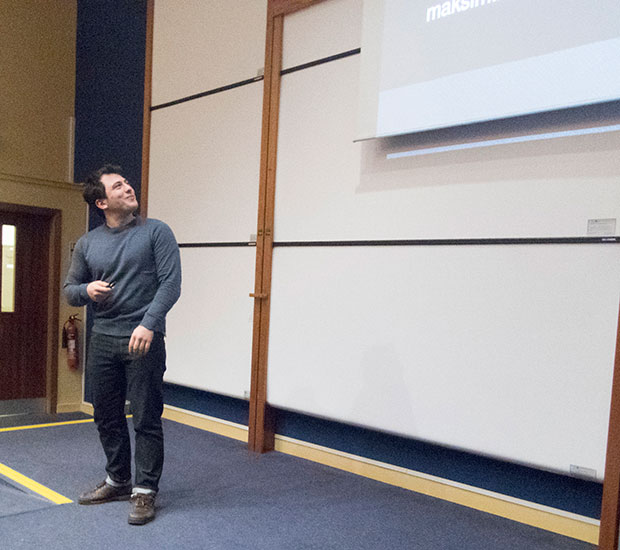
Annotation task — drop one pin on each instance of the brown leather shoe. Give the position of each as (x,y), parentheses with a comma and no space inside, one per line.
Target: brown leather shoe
(142,508)
(105,493)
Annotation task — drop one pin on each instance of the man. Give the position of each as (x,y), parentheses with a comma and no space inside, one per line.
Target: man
(129,269)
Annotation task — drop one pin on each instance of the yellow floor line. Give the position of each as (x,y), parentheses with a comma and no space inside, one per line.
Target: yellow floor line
(24,481)
(15,428)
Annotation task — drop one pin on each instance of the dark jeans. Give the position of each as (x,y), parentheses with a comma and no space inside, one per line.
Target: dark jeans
(116,375)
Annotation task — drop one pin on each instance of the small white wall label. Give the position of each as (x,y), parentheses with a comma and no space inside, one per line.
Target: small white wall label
(601,227)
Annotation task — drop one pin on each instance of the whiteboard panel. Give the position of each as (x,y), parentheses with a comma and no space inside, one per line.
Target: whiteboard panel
(209,330)
(323,30)
(506,351)
(200,45)
(205,165)
(329,188)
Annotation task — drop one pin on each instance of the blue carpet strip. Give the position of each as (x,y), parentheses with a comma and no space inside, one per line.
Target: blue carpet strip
(563,492)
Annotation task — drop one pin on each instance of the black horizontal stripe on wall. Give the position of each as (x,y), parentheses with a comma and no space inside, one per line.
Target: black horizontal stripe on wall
(234,85)
(207,93)
(321,61)
(217,245)
(453,242)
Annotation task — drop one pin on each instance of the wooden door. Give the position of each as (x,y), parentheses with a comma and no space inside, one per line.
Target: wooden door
(24,299)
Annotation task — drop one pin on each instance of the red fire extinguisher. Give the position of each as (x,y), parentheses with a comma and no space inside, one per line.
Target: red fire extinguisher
(69,341)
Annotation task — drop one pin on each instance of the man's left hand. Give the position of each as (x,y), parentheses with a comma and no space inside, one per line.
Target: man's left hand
(140,341)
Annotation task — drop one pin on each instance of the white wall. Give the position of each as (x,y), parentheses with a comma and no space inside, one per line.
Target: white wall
(209,330)
(502,350)
(505,351)
(204,178)
(201,45)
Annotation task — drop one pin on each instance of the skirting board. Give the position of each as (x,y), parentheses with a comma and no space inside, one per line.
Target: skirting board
(197,420)
(71,407)
(207,423)
(543,517)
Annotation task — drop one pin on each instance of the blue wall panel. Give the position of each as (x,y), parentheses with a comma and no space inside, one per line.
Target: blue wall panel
(109,87)
(109,92)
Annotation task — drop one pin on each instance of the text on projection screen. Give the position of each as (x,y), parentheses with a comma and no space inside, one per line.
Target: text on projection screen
(448,63)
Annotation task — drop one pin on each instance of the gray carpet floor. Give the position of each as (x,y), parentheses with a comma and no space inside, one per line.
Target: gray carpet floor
(15,500)
(216,495)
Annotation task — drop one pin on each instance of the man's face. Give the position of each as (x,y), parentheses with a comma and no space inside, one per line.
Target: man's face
(120,196)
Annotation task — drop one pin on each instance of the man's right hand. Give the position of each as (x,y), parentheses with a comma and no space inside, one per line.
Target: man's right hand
(98,290)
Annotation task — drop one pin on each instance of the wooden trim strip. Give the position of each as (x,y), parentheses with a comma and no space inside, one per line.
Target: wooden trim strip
(55,260)
(286,7)
(146,111)
(265,434)
(610,510)
(16,178)
(69,407)
(260,433)
(206,423)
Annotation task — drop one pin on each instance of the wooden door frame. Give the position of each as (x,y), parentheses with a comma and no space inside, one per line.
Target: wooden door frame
(53,220)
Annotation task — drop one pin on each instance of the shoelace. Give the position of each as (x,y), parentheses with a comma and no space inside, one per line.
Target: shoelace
(141,499)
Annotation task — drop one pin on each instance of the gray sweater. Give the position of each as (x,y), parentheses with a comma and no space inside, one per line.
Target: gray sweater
(142,259)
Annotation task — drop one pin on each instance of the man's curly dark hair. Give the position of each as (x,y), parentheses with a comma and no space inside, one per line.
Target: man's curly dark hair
(94,190)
